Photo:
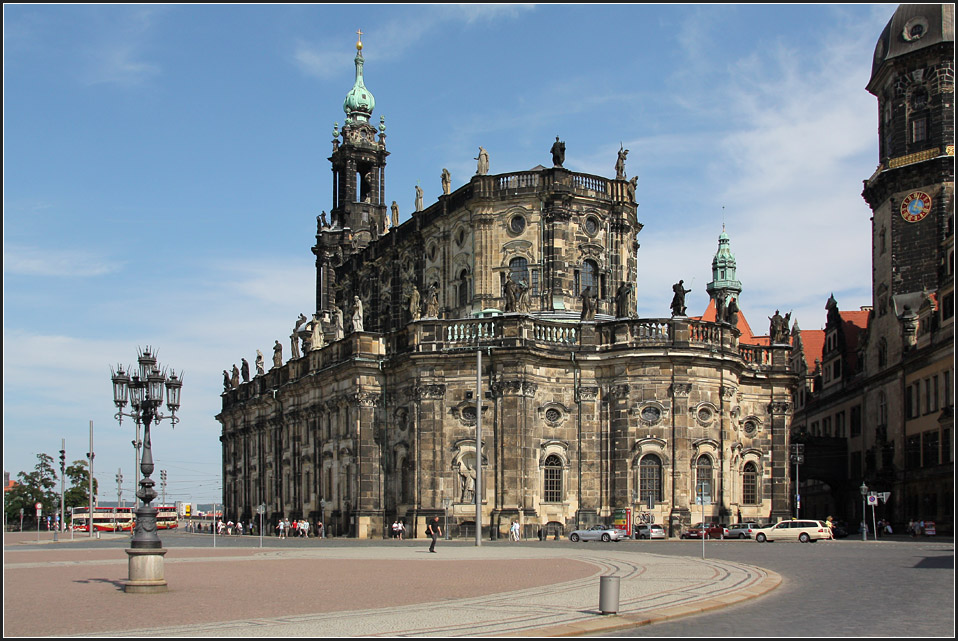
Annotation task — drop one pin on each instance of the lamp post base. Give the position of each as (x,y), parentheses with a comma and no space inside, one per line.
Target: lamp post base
(145,571)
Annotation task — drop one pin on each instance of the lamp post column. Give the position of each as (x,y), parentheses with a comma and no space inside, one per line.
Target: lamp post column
(145,394)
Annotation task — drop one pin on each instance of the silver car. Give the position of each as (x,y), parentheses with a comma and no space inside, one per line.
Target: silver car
(597,533)
(742,530)
(646,531)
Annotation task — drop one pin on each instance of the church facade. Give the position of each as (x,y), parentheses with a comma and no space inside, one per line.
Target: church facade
(509,302)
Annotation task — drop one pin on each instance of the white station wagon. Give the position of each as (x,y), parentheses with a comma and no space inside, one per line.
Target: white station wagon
(797,530)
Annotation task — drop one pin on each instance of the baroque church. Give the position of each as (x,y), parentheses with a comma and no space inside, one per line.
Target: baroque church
(507,305)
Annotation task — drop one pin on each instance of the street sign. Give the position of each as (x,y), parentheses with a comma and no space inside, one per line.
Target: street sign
(39,507)
(873,499)
(260,509)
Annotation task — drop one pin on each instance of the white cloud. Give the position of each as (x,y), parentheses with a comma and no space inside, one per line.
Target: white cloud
(36,261)
(119,57)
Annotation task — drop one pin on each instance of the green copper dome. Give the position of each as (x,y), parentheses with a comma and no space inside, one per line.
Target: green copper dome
(359,103)
(723,267)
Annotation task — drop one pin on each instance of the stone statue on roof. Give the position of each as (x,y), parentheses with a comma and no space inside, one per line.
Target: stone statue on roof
(732,313)
(620,163)
(558,153)
(678,299)
(588,305)
(623,300)
(482,168)
(446,181)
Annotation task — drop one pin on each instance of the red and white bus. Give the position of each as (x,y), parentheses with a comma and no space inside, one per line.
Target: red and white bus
(120,519)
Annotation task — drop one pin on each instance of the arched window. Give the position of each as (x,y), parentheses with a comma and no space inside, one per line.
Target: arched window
(552,475)
(703,481)
(750,484)
(463,288)
(519,270)
(650,479)
(589,277)
(882,352)
(882,409)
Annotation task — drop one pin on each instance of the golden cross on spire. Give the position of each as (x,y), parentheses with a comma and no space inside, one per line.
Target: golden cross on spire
(359,42)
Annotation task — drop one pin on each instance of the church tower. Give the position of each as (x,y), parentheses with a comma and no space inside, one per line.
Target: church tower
(724,288)
(359,213)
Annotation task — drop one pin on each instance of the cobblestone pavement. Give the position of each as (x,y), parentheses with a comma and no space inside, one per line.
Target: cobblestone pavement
(894,587)
(349,588)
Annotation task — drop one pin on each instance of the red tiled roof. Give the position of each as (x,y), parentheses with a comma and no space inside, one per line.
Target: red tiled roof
(747,337)
(853,324)
(813,344)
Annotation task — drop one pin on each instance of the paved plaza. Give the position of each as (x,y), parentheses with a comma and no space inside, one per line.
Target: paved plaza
(388,588)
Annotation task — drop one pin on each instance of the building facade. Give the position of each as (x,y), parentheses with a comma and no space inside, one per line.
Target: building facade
(890,377)
(585,409)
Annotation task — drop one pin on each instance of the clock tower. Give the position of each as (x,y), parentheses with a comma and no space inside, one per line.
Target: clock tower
(906,425)
(912,191)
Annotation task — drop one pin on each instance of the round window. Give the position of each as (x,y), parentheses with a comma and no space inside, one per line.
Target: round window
(651,414)
(591,225)
(553,415)
(469,413)
(705,414)
(751,427)
(517,224)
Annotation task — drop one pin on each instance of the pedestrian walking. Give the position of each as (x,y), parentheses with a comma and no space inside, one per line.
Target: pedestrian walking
(514,530)
(435,531)
(402,531)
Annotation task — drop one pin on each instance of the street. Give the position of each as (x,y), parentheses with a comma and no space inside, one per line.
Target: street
(893,587)
(847,588)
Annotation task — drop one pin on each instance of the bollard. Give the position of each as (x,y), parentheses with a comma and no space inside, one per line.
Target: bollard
(608,594)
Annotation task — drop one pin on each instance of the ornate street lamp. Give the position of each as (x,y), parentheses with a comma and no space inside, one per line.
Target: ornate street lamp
(144,392)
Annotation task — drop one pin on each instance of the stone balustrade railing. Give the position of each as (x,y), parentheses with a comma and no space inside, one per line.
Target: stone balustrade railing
(519,330)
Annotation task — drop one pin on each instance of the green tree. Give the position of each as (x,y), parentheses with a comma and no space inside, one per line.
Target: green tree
(79,493)
(38,486)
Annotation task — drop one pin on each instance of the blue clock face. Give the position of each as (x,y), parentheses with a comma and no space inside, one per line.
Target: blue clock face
(915,206)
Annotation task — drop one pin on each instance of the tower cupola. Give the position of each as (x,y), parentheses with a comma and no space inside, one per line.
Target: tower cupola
(359,103)
(724,287)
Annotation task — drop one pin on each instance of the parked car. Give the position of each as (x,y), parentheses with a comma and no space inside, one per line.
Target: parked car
(711,530)
(597,533)
(742,530)
(649,531)
(796,530)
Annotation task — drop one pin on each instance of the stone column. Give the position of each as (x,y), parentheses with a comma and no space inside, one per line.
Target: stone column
(367,500)
(780,412)
(619,446)
(588,456)
(433,476)
(683,496)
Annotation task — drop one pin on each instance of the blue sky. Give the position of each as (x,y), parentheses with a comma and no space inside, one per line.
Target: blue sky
(164,166)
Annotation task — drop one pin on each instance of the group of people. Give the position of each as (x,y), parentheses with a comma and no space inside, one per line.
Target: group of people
(298,528)
(398,530)
(916,528)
